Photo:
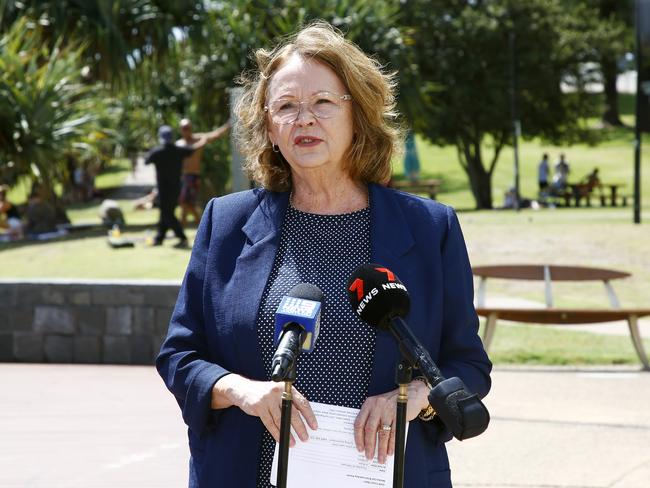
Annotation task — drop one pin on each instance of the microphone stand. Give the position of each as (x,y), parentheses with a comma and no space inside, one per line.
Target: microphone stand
(285,427)
(403,374)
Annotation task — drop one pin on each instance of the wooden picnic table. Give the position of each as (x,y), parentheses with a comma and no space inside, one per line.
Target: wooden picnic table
(613,191)
(550,314)
(429,187)
(580,191)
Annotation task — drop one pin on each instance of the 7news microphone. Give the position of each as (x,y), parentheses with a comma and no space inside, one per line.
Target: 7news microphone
(380,299)
(297,322)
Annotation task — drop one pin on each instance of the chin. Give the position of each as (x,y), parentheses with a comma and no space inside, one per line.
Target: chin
(309,163)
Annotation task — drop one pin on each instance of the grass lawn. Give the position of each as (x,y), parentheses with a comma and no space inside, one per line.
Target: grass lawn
(539,345)
(603,237)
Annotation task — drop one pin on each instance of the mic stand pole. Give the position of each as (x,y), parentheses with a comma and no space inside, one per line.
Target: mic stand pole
(285,427)
(403,374)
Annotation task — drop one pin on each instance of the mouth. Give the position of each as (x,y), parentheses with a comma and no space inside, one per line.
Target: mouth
(306,141)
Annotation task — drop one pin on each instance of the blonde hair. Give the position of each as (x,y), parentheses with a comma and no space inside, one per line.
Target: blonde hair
(377,136)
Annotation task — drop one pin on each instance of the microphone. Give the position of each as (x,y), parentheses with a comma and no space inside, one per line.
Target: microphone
(380,299)
(297,322)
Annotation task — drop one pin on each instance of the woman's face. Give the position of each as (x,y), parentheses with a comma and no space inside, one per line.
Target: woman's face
(309,142)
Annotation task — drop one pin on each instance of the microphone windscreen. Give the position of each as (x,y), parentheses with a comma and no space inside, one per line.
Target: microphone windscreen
(377,295)
(301,306)
(306,291)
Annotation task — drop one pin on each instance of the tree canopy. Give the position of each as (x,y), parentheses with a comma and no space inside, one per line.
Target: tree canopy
(93,79)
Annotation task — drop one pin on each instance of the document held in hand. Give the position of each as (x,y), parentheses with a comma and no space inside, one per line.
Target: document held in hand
(330,458)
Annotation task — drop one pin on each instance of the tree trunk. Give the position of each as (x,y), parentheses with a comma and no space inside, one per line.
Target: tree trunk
(610,74)
(481,184)
(480,180)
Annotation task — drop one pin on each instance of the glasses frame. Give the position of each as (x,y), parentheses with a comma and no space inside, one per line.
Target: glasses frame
(344,98)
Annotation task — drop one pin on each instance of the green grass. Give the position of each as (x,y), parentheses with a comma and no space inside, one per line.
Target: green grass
(90,257)
(534,344)
(113,175)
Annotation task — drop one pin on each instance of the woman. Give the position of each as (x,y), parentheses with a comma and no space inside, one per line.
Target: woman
(317,126)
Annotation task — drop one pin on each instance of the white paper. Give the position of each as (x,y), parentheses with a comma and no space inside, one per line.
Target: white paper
(330,458)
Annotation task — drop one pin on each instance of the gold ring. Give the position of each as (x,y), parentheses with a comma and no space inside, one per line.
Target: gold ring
(386,428)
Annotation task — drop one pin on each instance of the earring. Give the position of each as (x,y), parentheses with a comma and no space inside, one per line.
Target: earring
(275,147)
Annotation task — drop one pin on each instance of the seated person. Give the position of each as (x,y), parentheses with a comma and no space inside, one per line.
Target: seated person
(592,180)
(9,215)
(148,201)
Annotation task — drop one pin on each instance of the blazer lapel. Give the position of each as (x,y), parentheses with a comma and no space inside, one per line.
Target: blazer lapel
(253,268)
(391,241)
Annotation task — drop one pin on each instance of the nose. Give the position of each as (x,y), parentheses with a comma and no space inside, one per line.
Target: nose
(305,116)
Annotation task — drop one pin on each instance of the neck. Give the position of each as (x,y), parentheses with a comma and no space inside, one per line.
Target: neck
(335,197)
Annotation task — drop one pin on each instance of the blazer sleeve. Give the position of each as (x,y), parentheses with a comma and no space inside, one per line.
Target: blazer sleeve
(182,361)
(461,352)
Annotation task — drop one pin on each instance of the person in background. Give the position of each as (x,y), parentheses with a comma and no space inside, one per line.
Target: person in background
(40,215)
(543,171)
(191,176)
(592,180)
(411,159)
(9,215)
(561,176)
(168,159)
(318,130)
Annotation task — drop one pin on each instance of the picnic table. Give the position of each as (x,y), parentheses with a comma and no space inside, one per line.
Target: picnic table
(579,192)
(613,192)
(428,187)
(550,314)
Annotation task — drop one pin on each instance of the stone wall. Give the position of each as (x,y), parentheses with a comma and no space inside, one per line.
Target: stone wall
(77,321)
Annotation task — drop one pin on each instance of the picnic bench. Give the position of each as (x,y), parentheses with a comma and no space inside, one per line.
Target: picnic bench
(551,315)
(428,187)
(579,192)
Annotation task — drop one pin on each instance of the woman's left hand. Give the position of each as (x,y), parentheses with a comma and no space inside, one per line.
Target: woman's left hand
(375,423)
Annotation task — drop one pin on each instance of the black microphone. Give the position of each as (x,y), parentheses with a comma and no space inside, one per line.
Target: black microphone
(297,323)
(380,299)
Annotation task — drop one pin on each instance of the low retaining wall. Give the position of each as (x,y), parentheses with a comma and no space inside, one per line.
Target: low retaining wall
(78,321)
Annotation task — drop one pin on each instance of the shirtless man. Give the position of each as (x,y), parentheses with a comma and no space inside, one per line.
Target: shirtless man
(191,177)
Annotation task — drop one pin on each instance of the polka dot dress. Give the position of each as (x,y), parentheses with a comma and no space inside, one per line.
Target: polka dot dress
(323,250)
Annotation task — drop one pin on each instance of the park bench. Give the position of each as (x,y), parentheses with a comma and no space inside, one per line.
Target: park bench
(428,187)
(550,314)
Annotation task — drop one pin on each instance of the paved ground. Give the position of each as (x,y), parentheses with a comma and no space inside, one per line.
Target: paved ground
(72,426)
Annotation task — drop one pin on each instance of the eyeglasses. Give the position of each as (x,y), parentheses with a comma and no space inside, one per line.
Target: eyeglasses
(323,105)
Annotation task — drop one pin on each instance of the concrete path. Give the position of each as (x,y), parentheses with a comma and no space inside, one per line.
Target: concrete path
(138,182)
(144,174)
(73,426)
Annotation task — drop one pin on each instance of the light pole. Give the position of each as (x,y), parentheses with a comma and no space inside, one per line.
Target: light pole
(516,125)
(642,17)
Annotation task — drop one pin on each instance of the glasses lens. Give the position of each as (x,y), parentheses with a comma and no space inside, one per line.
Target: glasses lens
(285,111)
(323,105)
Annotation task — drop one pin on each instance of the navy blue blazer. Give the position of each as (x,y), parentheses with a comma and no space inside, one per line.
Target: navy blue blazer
(212,330)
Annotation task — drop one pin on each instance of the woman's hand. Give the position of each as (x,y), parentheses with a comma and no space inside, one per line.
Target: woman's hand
(263,399)
(375,423)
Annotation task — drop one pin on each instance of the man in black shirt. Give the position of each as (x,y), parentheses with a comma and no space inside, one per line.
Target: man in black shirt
(168,159)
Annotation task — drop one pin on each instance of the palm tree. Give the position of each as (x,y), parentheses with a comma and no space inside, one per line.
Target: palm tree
(116,35)
(47,112)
